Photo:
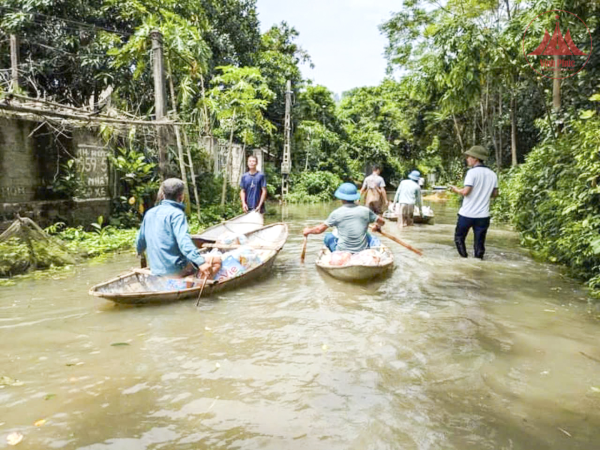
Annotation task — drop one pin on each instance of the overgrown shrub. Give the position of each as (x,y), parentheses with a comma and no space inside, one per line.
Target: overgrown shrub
(553,199)
(313,187)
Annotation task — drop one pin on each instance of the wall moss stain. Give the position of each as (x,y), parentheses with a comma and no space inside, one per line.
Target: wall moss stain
(31,158)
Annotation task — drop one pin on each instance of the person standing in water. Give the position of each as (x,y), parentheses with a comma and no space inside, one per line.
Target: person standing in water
(253,186)
(407,195)
(481,185)
(374,186)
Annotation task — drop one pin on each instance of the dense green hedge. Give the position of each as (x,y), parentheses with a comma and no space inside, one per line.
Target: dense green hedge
(553,199)
(313,187)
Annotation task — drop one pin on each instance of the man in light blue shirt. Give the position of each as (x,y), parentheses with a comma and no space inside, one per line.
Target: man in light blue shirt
(165,237)
(407,195)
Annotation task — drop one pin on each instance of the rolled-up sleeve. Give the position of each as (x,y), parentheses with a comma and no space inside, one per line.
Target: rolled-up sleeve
(372,216)
(332,220)
(184,241)
(140,240)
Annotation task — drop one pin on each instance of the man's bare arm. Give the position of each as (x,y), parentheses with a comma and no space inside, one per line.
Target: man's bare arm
(315,230)
(464,191)
(243,199)
(263,196)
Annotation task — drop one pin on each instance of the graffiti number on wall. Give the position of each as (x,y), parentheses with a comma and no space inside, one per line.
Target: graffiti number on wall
(93,163)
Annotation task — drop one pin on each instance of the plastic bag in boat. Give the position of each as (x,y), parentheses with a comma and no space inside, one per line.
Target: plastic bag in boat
(249,257)
(339,258)
(230,267)
(427,211)
(178,284)
(365,258)
(230,238)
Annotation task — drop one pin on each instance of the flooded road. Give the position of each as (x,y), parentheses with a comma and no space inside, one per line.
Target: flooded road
(445,353)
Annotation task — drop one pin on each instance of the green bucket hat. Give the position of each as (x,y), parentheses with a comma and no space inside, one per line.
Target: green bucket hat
(479,152)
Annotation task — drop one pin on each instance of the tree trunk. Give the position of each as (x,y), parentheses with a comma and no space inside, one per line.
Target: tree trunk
(460,141)
(513,129)
(160,100)
(14,63)
(474,137)
(207,128)
(499,154)
(492,132)
(188,206)
(556,86)
(227,159)
(192,174)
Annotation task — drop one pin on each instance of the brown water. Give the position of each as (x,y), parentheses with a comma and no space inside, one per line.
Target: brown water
(443,354)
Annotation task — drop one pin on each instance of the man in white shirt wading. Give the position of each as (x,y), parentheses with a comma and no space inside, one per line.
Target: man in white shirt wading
(481,185)
(407,195)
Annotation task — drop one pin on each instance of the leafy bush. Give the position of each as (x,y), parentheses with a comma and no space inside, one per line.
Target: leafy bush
(553,199)
(212,215)
(313,187)
(273,181)
(138,185)
(94,243)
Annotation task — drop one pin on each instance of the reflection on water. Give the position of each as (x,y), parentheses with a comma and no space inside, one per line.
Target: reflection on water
(445,353)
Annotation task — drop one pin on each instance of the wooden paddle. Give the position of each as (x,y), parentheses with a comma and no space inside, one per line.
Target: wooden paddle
(398,241)
(303,254)
(202,288)
(231,246)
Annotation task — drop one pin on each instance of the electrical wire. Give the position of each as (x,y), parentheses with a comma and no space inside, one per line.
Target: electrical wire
(75,22)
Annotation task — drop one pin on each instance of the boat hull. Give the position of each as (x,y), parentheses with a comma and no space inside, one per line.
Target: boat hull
(242,224)
(393,217)
(131,288)
(354,272)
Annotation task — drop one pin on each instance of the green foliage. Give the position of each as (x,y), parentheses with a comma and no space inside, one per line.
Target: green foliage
(138,185)
(239,97)
(313,187)
(70,180)
(273,181)
(214,214)
(98,242)
(554,200)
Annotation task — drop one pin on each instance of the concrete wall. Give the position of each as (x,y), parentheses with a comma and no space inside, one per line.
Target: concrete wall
(237,164)
(30,159)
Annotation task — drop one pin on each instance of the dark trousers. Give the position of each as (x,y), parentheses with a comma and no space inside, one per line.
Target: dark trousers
(480,227)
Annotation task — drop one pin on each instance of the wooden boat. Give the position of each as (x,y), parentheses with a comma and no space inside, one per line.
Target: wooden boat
(356,272)
(417,218)
(241,224)
(138,286)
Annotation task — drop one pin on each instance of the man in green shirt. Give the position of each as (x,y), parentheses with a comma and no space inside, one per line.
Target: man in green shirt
(352,222)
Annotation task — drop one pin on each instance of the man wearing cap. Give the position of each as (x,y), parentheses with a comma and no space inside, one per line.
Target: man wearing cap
(407,195)
(481,185)
(352,222)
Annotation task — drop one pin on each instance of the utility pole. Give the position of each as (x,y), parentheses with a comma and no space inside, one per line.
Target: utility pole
(286,164)
(160,99)
(556,86)
(14,63)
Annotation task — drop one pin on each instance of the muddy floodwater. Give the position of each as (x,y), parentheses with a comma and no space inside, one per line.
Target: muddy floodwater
(444,353)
